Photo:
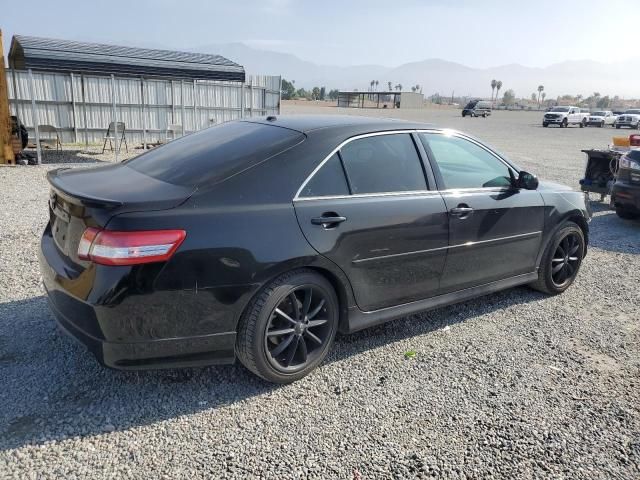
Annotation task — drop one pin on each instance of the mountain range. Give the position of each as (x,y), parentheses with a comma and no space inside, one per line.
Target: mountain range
(441,76)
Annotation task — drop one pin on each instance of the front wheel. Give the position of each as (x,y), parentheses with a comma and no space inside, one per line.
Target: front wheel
(601,124)
(545,124)
(561,260)
(565,123)
(289,327)
(618,127)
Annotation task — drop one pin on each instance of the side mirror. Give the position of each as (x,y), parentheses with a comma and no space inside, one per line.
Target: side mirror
(527,180)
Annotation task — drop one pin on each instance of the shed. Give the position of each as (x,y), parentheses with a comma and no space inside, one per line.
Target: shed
(52,55)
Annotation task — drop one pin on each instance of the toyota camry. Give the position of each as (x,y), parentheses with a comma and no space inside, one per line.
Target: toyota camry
(260,239)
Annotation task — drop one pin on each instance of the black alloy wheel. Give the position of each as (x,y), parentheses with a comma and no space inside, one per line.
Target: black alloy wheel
(298,329)
(288,327)
(561,260)
(566,260)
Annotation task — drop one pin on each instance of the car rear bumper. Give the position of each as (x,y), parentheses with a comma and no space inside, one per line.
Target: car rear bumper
(627,196)
(137,331)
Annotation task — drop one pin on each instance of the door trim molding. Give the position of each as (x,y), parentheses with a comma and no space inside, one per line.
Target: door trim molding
(358,319)
(462,245)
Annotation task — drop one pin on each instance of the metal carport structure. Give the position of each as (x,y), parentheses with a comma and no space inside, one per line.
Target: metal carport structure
(52,55)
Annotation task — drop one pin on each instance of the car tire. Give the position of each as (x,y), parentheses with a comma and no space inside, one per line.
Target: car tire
(283,347)
(625,214)
(618,127)
(601,124)
(583,122)
(557,270)
(545,124)
(564,124)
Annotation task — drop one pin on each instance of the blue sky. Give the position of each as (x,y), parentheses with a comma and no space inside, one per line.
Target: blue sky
(476,33)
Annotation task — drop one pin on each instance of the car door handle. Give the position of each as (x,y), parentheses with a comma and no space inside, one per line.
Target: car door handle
(328,221)
(461,211)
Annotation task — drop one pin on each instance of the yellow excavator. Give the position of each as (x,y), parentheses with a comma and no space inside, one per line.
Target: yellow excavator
(11,143)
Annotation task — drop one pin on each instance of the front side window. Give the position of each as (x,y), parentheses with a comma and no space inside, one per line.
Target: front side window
(383,163)
(327,181)
(463,164)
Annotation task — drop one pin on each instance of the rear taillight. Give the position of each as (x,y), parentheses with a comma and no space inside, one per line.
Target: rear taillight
(107,247)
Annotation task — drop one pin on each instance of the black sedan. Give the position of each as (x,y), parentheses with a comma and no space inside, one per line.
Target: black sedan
(260,239)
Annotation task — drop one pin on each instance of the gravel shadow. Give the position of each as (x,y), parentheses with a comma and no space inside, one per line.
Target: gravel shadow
(53,389)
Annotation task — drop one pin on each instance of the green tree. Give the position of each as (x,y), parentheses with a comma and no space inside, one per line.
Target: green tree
(287,89)
(509,98)
(333,94)
(493,87)
(315,93)
(604,102)
(389,85)
(323,93)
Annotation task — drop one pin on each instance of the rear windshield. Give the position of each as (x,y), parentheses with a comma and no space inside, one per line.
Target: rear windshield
(214,154)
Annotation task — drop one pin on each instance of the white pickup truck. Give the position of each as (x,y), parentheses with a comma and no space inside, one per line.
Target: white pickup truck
(565,116)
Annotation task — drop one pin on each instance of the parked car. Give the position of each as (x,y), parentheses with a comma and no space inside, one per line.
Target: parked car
(601,118)
(625,195)
(565,116)
(630,118)
(477,108)
(260,239)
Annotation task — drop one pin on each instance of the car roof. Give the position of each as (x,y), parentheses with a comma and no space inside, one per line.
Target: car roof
(309,123)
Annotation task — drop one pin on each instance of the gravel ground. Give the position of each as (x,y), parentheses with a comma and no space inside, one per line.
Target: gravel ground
(513,385)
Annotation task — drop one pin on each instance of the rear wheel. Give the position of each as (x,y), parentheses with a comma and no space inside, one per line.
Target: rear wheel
(288,327)
(561,260)
(583,123)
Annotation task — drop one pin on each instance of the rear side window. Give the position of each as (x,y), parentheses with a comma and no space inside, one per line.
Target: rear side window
(216,153)
(383,163)
(329,180)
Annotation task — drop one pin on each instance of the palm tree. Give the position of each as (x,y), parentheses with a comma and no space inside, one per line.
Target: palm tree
(493,87)
(400,86)
(389,85)
(498,87)
(413,89)
(544,94)
(377,84)
(540,89)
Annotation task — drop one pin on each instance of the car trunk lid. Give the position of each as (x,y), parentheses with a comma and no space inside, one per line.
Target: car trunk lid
(82,198)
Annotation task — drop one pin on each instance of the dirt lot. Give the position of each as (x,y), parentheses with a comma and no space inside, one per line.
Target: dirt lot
(513,385)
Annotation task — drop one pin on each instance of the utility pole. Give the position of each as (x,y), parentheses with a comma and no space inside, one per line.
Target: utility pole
(6,150)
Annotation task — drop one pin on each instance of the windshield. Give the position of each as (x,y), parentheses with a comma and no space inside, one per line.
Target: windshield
(598,114)
(214,154)
(559,109)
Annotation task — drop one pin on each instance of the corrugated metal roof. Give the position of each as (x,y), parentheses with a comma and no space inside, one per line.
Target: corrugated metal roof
(69,56)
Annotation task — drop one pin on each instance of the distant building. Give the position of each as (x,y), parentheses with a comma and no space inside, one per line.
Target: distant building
(356,99)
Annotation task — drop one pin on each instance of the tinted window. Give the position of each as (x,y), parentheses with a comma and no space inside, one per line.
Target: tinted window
(329,180)
(214,154)
(464,164)
(383,163)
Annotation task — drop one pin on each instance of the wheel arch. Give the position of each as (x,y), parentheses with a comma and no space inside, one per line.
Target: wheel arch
(574,216)
(321,266)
